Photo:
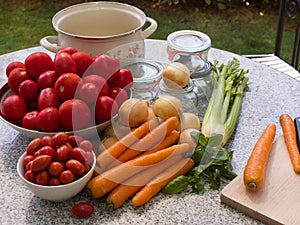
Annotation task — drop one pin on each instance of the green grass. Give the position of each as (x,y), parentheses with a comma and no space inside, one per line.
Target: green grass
(241,30)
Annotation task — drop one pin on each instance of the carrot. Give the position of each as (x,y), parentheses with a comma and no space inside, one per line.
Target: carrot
(153,138)
(289,133)
(132,185)
(254,172)
(160,181)
(115,150)
(105,182)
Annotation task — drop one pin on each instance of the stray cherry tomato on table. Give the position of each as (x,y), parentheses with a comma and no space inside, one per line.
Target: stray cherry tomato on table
(83,209)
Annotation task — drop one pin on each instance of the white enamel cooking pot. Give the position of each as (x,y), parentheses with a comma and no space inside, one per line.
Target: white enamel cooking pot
(101,27)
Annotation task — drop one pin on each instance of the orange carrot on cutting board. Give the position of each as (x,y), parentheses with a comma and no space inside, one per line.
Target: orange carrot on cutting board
(289,134)
(254,172)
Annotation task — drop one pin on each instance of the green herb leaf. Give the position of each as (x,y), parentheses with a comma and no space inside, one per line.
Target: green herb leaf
(177,185)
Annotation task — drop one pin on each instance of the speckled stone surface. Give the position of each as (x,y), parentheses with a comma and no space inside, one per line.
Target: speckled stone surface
(270,94)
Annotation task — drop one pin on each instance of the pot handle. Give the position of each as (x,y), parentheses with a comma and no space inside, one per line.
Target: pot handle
(50,43)
(151,29)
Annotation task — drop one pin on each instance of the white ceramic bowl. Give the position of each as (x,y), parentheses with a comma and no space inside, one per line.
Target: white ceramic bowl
(56,193)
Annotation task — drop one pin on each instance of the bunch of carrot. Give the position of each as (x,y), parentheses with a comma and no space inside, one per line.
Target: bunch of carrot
(140,164)
(254,172)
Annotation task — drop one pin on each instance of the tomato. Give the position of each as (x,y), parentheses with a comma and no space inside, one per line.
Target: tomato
(105,66)
(48,119)
(83,210)
(62,153)
(47,140)
(123,80)
(88,92)
(12,66)
(75,166)
(48,150)
(48,98)
(42,178)
(74,140)
(37,63)
(119,94)
(83,60)
(70,50)
(41,163)
(33,146)
(59,138)
(78,154)
(27,159)
(66,85)
(54,181)
(29,90)
(16,77)
(89,157)
(86,145)
(74,114)
(47,79)
(29,120)
(98,81)
(14,107)
(64,63)
(55,168)
(66,177)
(30,176)
(106,107)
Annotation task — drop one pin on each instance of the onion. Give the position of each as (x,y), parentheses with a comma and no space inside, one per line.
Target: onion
(176,75)
(167,106)
(133,112)
(189,120)
(186,137)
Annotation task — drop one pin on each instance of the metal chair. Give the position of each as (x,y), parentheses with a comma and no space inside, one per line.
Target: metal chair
(289,10)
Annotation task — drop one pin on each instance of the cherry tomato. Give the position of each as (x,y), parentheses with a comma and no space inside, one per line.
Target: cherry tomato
(74,140)
(47,79)
(59,139)
(66,85)
(37,63)
(55,168)
(16,77)
(27,159)
(66,177)
(78,154)
(74,114)
(70,50)
(83,210)
(88,92)
(28,166)
(29,120)
(33,146)
(64,63)
(47,140)
(86,145)
(48,150)
(98,81)
(30,176)
(29,90)
(119,94)
(83,60)
(12,66)
(105,65)
(54,181)
(42,178)
(62,153)
(40,163)
(106,108)
(75,166)
(48,119)
(48,98)
(123,80)
(14,108)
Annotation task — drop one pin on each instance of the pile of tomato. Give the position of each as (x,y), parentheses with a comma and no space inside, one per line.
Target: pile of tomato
(70,92)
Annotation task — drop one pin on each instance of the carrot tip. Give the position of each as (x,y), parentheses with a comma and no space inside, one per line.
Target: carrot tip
(109,206)
(252,185)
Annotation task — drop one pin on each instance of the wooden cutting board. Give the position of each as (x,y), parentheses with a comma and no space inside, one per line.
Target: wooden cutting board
(278,202)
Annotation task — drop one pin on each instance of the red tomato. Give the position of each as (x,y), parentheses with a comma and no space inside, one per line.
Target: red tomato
(83,210)
(29,90)
(30,176)
(66,85)
(54,181)
(42,178)
(48,119)
(119,94)
(70,50)
(12,66)
(40,163)
(75,140)
(123,80)
(47,140)
(66,177)
(75,166)
(62,153)
(14,108)
(105,65)
(88,92)
(106,107)
(33,146)
(27,159)
(64,63)
(74,114)
(37,63)
(55,168)
(48,150)
(48,98)
(47,79)
(98,81)
(83,60)
(59,139)
(78,154)
(86,145)
(29,120)
(16,77)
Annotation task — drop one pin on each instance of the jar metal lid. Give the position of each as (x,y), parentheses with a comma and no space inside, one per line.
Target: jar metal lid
(189,41)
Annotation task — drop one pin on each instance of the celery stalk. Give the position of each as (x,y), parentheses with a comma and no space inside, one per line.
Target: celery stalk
(221,116)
